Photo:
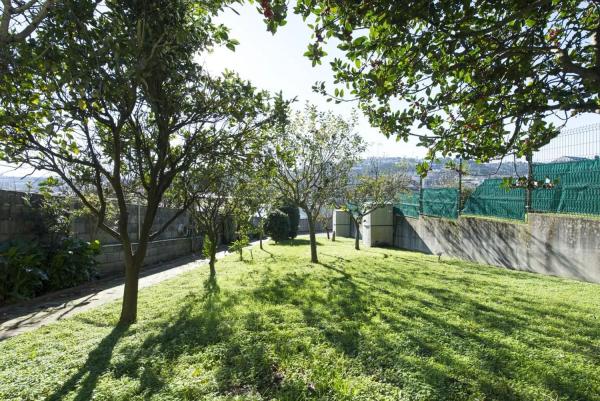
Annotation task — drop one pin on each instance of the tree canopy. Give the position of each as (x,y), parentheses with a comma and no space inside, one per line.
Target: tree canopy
(481,77)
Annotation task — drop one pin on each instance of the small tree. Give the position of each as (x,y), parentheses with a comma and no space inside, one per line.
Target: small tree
(211,189)
(278,225)
(232,187)
(370,193)
(257,195)
(325,220)
(314,157)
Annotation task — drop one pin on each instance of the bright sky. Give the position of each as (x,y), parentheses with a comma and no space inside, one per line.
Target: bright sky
(275,62)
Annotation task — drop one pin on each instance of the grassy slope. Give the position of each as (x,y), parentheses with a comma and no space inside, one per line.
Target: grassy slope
(377,324)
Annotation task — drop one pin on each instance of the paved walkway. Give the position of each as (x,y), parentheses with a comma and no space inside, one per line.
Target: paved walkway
(20,318)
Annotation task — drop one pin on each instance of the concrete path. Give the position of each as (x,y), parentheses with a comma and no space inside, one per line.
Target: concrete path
(20,318)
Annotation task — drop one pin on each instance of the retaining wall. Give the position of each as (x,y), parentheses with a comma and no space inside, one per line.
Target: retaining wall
(547,244)
(550,244)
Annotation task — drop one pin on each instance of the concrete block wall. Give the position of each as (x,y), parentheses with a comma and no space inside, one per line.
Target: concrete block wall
(15,216)
(16,222)
(110,261)
(85,227)
(303,226)
(343,225)
(378,227)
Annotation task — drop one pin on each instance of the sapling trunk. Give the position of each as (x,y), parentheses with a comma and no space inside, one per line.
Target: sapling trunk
(313,239)
(356,234)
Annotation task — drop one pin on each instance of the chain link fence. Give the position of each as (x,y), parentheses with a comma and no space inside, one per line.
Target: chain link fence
(565,179)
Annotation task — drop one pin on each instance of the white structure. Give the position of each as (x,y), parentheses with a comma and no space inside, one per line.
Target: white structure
(341,223)
(378,227)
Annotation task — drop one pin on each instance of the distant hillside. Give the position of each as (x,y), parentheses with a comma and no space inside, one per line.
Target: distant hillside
(439,175)
(9,183)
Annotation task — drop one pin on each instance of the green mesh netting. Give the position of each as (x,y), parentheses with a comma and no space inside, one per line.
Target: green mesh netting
(408,205)
(352,208)
(440,202)
(577,189)
(490,199)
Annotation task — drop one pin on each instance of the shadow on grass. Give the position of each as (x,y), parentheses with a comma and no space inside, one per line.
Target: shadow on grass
(86,378)
(426,333)
(296,242)
(267,252)
(444,344)
(211,287)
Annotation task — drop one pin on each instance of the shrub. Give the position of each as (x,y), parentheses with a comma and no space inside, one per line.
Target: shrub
(294,219)
(72,264)
(278,225)
(21,275)
(28,269)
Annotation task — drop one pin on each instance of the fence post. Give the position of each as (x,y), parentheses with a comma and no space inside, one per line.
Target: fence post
(529,188)
(420,195)
(459,203)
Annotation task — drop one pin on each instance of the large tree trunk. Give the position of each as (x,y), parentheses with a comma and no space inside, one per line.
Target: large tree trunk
(134,260)
(130,294)
(356,233)
(313,238)
(133,264)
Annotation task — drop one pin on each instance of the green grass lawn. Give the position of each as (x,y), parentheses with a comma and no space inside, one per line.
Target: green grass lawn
(375,324)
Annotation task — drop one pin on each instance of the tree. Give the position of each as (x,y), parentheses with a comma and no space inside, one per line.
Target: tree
(482,77)
(294,216)
(211,190)
(371,192)
(117,107)
(257,193)
(314,157)
(230,187)
(325,220)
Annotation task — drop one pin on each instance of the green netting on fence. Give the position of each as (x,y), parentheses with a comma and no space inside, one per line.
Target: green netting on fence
(490,199)
(577,187)
(408,205)
(440,202)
